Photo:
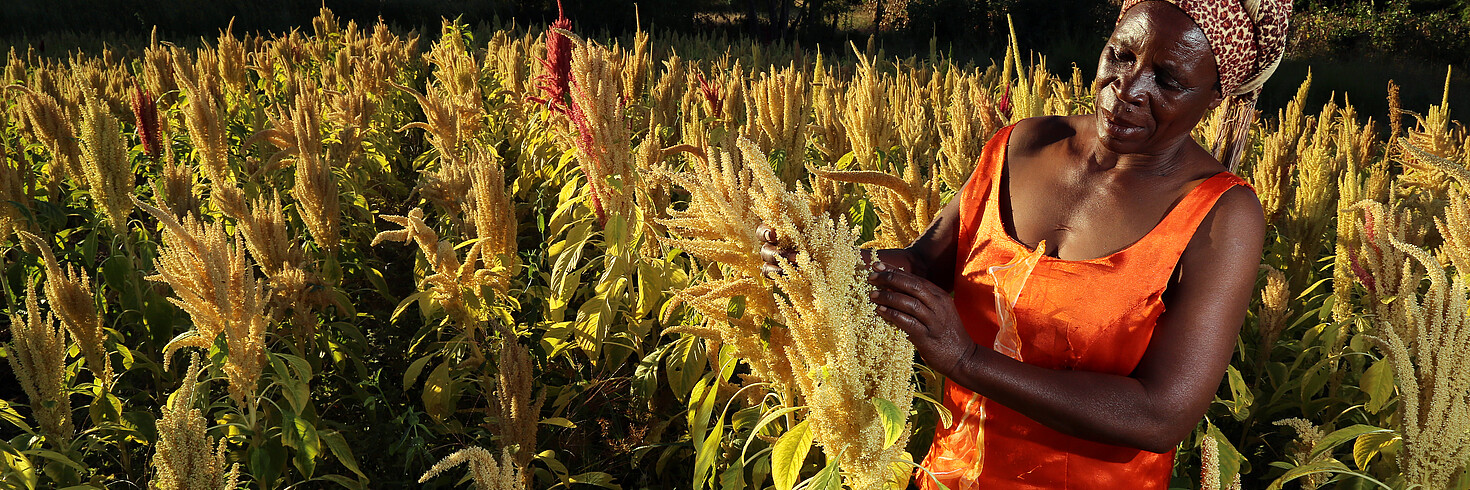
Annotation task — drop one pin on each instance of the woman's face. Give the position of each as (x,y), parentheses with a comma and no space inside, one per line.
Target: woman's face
(1155,80)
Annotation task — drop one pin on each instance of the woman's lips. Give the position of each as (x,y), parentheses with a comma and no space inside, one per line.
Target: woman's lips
(1119,127)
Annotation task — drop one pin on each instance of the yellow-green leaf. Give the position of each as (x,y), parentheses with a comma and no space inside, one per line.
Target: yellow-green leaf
(1240,391)
(1371,444)
(438,393)
(1339,436)
(1377,382)
(789,454)
(830,478)
(893,420)
(704,461)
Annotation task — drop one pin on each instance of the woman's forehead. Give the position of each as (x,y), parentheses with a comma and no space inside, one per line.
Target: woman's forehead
(1164,24)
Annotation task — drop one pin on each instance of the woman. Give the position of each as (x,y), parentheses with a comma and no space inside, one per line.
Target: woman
(1083,293)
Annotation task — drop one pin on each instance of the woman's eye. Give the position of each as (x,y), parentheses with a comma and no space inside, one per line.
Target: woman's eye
(1169,83)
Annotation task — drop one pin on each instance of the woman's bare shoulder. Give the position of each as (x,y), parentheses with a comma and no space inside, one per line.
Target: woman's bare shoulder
(1239,209)
(1234,230)
(1036,134)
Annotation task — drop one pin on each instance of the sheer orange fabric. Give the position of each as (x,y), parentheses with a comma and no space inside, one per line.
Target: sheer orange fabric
(1090,315)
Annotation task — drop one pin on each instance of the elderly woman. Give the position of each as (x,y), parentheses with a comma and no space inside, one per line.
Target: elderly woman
(1084,291)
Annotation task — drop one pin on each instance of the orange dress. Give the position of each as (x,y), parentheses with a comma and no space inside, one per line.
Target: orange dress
(1088,315)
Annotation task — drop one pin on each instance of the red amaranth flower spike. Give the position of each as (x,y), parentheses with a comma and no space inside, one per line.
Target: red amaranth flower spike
(556,83)
(1362,273)
(145,113)
(712,95)
(1005,102)
(588,147)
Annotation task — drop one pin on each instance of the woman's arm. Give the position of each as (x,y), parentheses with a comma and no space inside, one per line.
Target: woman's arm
(1157,405)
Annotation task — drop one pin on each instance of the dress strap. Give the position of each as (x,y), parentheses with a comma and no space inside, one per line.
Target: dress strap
(1174,233)
(974,198)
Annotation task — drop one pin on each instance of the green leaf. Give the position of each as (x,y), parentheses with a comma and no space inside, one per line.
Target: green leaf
(893,421)
(685,364)
(55,456)
(650,288)
(704,393)
(736,307)
(403,305)
(267,460)
(343,452)
(1325,466)
(772,415)
(412,374)
(299,434)
(1377,382)
(375,277)
(11,416)
(1240,391)
(732,477)
(597,478)
(292,379)
(1339,436)
(18,468)
(548,458)
(704,460)
(591,328)
(341,480)
(438,393)
(559,422)
(117,270)
(1371,444)
(645,377)
(830,478)
(945,415)
(789,454)
(105,408)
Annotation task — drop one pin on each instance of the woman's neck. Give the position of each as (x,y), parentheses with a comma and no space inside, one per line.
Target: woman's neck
(1163,161)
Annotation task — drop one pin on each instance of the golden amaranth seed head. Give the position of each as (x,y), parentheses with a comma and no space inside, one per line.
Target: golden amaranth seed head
(70,295)
(107,170)
(831,338)
(185,457)
(37,353)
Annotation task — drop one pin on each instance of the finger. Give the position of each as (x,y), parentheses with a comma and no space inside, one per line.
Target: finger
(888,277)
(771,271)
(903,303)
(910,325)
(766,233)
(769,253)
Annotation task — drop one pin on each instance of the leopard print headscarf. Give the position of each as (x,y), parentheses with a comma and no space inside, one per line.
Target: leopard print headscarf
(1248,38)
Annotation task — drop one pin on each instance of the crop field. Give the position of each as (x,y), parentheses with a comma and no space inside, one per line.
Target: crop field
(345,256)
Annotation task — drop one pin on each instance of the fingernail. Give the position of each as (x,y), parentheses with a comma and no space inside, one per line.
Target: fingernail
(873,295)
(882,308)
(881,266)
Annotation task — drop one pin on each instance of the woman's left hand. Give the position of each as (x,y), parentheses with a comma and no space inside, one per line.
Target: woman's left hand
(925,312)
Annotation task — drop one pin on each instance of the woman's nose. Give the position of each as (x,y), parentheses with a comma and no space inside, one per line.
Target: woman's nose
(1132,88)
